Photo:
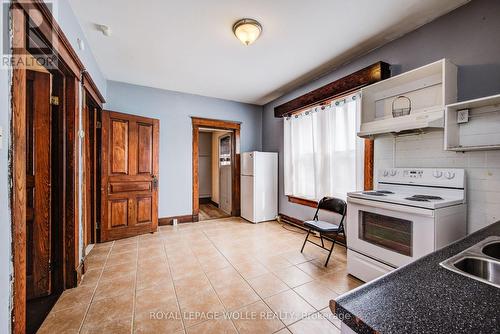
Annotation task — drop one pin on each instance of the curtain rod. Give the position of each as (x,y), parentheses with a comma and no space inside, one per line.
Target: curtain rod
(323,102)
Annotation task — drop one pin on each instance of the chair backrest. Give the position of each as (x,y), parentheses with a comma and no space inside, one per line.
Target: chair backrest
(333,204)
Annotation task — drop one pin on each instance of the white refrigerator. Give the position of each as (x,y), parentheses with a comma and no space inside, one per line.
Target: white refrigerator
(259,186)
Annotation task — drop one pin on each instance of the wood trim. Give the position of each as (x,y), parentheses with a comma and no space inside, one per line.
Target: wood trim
(54,35)
(91,88)
(215,123)
(302,201)
(180,219)
(366,76)
(235,171)
(18,174)
(369,164)
(70,67)
(72,190)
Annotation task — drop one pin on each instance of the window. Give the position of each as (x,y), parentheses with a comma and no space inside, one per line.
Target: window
(322,154)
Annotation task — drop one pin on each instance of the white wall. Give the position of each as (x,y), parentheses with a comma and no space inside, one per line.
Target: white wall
(482,170)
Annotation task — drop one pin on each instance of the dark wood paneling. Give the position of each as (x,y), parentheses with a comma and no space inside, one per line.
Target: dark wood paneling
(354,81)
(180,219)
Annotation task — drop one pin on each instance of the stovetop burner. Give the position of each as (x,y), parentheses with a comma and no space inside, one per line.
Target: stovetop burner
(429,197)
(417,199)
(374,193)
(384,192)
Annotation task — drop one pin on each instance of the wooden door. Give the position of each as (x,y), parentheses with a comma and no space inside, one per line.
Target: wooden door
(130,148)
(38,184)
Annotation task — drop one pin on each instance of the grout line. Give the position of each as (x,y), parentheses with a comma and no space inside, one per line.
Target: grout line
(95,289)
(135,287)
(261,299)
(175,290)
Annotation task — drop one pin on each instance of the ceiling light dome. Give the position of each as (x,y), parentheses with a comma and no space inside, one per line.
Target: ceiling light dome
(247,30)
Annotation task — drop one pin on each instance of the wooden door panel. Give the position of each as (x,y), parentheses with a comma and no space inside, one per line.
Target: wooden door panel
(38,184)
(118,212)
(130,170)
(144,151)
(130,186)
(119,146)
(144,209)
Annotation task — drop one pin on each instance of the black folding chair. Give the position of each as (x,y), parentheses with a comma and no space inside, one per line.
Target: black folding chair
(329,204)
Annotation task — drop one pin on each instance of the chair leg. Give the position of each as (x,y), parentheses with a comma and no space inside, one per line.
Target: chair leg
(331,250)
(304,244)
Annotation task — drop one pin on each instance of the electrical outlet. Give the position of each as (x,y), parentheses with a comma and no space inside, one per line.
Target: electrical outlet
(462,116)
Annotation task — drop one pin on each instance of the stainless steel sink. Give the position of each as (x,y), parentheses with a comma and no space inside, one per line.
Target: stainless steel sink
(480,262)
(492,250)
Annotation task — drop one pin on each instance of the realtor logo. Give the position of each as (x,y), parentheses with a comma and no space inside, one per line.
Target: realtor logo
(34,50)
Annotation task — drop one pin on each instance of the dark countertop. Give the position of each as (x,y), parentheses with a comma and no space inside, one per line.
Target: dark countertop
(423,297)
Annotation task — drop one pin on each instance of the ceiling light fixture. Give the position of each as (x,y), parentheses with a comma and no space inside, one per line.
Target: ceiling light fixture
(247,30)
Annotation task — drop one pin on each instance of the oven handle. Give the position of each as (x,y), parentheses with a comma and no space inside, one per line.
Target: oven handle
(392,207)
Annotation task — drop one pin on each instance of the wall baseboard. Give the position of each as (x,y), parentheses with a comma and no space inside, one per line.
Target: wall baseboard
(180,219)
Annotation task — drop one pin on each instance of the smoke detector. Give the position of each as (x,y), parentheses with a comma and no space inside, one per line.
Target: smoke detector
(106,30)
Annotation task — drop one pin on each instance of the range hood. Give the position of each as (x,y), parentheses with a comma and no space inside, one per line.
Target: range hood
(409,102)
(411,123)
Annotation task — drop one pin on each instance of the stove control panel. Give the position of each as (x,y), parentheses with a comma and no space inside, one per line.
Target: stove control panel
(445,177)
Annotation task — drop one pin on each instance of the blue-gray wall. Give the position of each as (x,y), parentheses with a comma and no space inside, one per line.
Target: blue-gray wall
(468,36)
(66,19)
(174,109)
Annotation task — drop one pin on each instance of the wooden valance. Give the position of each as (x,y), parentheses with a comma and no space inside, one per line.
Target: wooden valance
(366,76)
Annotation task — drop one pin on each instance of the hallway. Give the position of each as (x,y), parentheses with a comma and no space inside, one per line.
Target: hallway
(179,279)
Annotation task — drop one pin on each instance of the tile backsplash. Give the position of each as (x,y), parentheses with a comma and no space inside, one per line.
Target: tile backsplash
(426,150)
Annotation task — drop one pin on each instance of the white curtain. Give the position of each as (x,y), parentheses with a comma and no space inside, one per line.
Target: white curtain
(322,154)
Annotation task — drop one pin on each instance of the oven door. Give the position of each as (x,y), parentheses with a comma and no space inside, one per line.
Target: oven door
(391,233)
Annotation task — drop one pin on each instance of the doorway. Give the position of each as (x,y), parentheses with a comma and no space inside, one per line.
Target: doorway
(43,170)
(44,190)
(216,173)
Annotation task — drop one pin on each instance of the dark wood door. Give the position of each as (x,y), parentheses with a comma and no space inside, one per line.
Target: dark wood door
(38,184)
(130,148)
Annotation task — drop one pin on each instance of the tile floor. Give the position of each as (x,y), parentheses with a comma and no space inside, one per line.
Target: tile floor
(220,276)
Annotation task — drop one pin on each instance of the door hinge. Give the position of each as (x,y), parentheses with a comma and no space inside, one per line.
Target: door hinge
(50,266)
(98,125)
(54,100)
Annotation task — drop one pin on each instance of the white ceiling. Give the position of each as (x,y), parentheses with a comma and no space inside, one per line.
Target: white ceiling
(188,45)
